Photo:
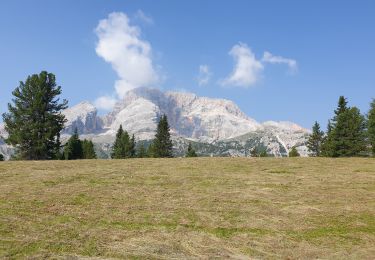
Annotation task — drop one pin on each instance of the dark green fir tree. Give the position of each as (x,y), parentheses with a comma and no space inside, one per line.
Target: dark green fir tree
(346,134)
(34,120)
(371,126)
(73,148)
(190,151)
(162,142)
(1,157)
(293,152)
(131,151)
(118,150)
(314,143)
(141,152)
(88,149)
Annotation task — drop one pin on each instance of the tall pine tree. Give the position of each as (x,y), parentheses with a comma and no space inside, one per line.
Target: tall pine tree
(346,134)
(73,148)
(163,143)
(118,149)
(315,140)
(141,153)
(34,120)
(124,146)
(1,157)
(371,126)
(88,149)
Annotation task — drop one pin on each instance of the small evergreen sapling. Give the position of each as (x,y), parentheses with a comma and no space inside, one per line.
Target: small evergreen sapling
(190,151)
(293,152)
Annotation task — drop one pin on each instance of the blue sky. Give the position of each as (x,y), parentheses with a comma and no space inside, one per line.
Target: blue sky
(278,60)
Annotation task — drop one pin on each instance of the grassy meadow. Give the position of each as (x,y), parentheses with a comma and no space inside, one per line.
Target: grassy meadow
(179,208)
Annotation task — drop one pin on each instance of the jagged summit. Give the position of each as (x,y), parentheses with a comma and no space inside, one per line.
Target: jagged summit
(219,123)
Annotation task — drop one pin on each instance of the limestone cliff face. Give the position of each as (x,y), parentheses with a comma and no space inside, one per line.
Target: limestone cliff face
(82,116)
(217,122)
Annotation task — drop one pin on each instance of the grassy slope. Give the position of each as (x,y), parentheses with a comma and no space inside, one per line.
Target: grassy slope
(186,208)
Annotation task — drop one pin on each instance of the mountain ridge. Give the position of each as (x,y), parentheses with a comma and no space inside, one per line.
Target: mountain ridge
(202,120)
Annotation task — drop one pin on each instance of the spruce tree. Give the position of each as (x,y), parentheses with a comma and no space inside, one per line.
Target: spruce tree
(327,144)
(1,157)
(371,126)
(88,149)
(190,151)
(346,133)
(118,149)
(34,120)
(315,140)
(349,134)
(141,153)
(73,149)
(151,151)
(125,145)
(130,151)
(163,143)
(293,152)
(263,153)
(254,152)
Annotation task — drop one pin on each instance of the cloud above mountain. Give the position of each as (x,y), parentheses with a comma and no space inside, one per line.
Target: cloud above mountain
(272,59)
(120,44)
(248,69)
(204,75)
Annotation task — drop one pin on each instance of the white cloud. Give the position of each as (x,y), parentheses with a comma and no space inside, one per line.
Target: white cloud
(140,15)
(204,75)
(120,44)
(247,68)
(105,102)
(270,58)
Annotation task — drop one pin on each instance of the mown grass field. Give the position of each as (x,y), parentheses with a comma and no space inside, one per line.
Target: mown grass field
(188,208)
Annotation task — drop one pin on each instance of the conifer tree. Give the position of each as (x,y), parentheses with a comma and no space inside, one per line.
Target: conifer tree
(34,120)
(1,157)
(131,152)
(315,140)
(326,148)
(88,149)
(349,136)
(254,152)
(163,143)
(293,152)
(371,126)
(151,150)
(125,145)
(190,151)
(73,148)
(141,153)
(118,149)
(346,132)
(263,153)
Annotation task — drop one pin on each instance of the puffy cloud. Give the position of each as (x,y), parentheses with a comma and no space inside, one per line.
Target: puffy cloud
(270,58)
(120,44)
(204,75)
(247,68)
(105,102)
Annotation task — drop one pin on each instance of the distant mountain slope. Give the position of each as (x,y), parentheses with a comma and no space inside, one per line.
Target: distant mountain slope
(216,126)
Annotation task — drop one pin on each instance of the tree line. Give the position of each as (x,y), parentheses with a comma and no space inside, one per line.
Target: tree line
(349,133)
(34,121)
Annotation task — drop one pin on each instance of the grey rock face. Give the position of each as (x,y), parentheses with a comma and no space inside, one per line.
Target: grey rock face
(216,126)
(82,116)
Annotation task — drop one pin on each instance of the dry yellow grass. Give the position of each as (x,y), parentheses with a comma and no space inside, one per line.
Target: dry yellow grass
(188,208)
